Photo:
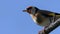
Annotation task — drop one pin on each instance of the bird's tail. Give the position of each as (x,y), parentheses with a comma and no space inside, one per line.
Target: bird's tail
(57,16)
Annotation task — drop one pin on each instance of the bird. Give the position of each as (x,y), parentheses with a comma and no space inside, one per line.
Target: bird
(42,17)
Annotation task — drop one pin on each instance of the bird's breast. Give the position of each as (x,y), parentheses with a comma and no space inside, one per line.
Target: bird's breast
(38,21)
(34,18)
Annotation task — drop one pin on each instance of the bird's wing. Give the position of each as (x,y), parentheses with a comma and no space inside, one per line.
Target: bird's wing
(47,13)
(50,14)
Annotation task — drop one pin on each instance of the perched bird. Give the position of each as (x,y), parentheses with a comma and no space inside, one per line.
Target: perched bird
(42,17)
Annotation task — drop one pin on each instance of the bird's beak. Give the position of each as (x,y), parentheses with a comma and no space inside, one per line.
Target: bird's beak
(24,10)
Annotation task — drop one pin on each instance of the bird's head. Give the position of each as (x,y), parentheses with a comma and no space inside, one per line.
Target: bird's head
(31,10)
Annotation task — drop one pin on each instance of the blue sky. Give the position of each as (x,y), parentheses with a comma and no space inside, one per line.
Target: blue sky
(14,21)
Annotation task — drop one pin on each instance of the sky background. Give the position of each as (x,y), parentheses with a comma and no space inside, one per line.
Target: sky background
(14,21)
